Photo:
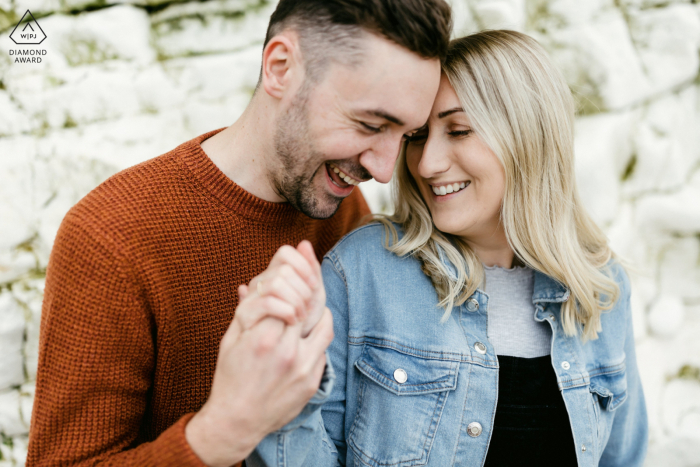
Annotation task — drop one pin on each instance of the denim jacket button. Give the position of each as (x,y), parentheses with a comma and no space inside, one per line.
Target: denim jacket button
(474,429)
(565,365)
(481,348)
(472,305)
(400,376)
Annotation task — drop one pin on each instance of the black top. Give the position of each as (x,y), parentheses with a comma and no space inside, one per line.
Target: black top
(532,426)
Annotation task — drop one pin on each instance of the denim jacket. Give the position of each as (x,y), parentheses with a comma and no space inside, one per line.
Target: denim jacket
(402,389)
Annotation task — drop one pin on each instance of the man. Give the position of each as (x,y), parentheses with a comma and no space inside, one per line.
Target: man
(141,359)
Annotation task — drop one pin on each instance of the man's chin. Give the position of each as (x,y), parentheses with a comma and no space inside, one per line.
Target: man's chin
(323,206)
(317,198)
(323,199)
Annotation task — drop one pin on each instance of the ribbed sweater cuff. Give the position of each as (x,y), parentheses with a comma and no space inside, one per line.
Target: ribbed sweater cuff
(177,450)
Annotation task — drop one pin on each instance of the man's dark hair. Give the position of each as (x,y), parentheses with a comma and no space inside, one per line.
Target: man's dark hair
(328,29)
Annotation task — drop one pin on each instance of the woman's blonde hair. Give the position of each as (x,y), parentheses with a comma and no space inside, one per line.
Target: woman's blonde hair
(521,107)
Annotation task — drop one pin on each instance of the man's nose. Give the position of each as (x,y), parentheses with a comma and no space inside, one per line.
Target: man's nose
(381,159)
(433,160)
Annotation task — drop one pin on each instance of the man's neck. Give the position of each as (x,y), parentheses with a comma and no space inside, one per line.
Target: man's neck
(244,152)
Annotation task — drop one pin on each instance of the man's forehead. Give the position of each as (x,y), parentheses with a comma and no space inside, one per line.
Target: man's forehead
(387,94)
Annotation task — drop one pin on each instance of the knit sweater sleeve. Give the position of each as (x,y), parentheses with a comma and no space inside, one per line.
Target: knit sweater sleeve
(96,361)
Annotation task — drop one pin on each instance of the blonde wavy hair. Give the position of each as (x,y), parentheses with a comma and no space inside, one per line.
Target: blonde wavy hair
(521,107)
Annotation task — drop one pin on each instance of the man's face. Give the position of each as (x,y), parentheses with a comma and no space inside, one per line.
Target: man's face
(351,124)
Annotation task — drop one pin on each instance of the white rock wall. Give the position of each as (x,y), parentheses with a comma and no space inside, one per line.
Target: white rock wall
(126,80)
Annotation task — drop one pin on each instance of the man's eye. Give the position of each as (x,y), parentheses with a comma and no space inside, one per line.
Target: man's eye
(371,128)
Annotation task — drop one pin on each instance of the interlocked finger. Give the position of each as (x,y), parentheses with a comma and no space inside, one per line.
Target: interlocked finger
(286,285)
(263,307)
(289,256)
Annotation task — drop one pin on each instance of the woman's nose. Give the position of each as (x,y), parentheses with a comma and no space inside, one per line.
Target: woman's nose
(434,159)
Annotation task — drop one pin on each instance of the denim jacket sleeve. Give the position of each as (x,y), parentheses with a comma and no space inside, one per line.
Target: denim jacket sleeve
(313,438)
(628,439)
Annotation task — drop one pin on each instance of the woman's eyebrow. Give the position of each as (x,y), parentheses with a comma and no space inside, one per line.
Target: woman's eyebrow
(450,112)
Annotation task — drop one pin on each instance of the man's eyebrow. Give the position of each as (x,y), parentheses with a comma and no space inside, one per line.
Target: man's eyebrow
(386,116)
(450,112)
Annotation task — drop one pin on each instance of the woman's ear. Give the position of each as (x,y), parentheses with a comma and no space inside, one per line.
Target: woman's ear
(280,58)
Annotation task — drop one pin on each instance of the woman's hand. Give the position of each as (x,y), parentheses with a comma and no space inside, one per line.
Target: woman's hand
(290,289)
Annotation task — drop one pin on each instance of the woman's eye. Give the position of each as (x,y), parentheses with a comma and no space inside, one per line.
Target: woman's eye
(457,134)
(371,128)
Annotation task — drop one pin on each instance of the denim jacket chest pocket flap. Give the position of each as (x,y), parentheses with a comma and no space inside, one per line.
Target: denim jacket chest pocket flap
(610,385)
(399,404)
(423,375)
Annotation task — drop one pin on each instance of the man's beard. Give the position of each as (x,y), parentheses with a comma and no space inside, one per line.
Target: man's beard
(300,162)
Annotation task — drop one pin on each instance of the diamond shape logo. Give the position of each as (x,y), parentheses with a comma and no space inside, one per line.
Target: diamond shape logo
(28,33)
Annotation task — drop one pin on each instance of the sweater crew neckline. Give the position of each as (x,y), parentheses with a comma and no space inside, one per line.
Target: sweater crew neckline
(226,191)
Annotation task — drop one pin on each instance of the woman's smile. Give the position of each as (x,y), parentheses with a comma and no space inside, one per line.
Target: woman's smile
(442,190)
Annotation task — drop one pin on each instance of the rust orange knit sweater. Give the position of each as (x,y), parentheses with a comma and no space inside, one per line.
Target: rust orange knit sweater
(142,284)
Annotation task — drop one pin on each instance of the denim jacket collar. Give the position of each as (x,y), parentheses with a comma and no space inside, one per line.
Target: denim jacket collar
(546,290)
(451,269)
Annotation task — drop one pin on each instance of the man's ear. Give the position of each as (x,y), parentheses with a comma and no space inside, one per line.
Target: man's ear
(279,62)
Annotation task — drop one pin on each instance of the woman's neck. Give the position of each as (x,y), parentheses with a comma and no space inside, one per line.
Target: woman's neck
(493,250)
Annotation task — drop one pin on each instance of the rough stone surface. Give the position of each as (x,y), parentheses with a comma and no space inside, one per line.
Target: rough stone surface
(11,423)
(545,15)
(678,271)
(126,80)
(603,149)
(666,315)
(11,338)
(666,143)
(667,40)
(500,14)
(211,27)
(677,212)
(600,63)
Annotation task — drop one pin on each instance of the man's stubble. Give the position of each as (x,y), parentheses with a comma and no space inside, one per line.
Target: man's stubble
(300,162)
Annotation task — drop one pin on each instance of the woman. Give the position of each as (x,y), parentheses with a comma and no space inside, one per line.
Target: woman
(529,357)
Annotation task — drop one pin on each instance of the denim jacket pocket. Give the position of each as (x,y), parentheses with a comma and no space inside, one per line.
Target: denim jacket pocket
(400,401)
(611,388)
(609,392)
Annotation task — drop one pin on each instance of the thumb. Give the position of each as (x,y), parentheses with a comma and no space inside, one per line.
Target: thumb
(307,251)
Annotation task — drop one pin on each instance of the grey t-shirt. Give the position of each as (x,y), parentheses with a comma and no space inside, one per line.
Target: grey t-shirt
(512,329)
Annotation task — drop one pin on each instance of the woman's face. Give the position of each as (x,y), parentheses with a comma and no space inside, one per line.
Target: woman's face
(459,176)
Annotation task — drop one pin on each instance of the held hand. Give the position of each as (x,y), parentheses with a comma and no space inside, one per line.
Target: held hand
(282,291)
(290,289)
(266,372)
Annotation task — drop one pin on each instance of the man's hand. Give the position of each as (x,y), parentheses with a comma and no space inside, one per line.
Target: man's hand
(266,370)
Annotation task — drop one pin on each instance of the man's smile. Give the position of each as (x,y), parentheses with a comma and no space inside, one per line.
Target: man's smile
(342,176)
